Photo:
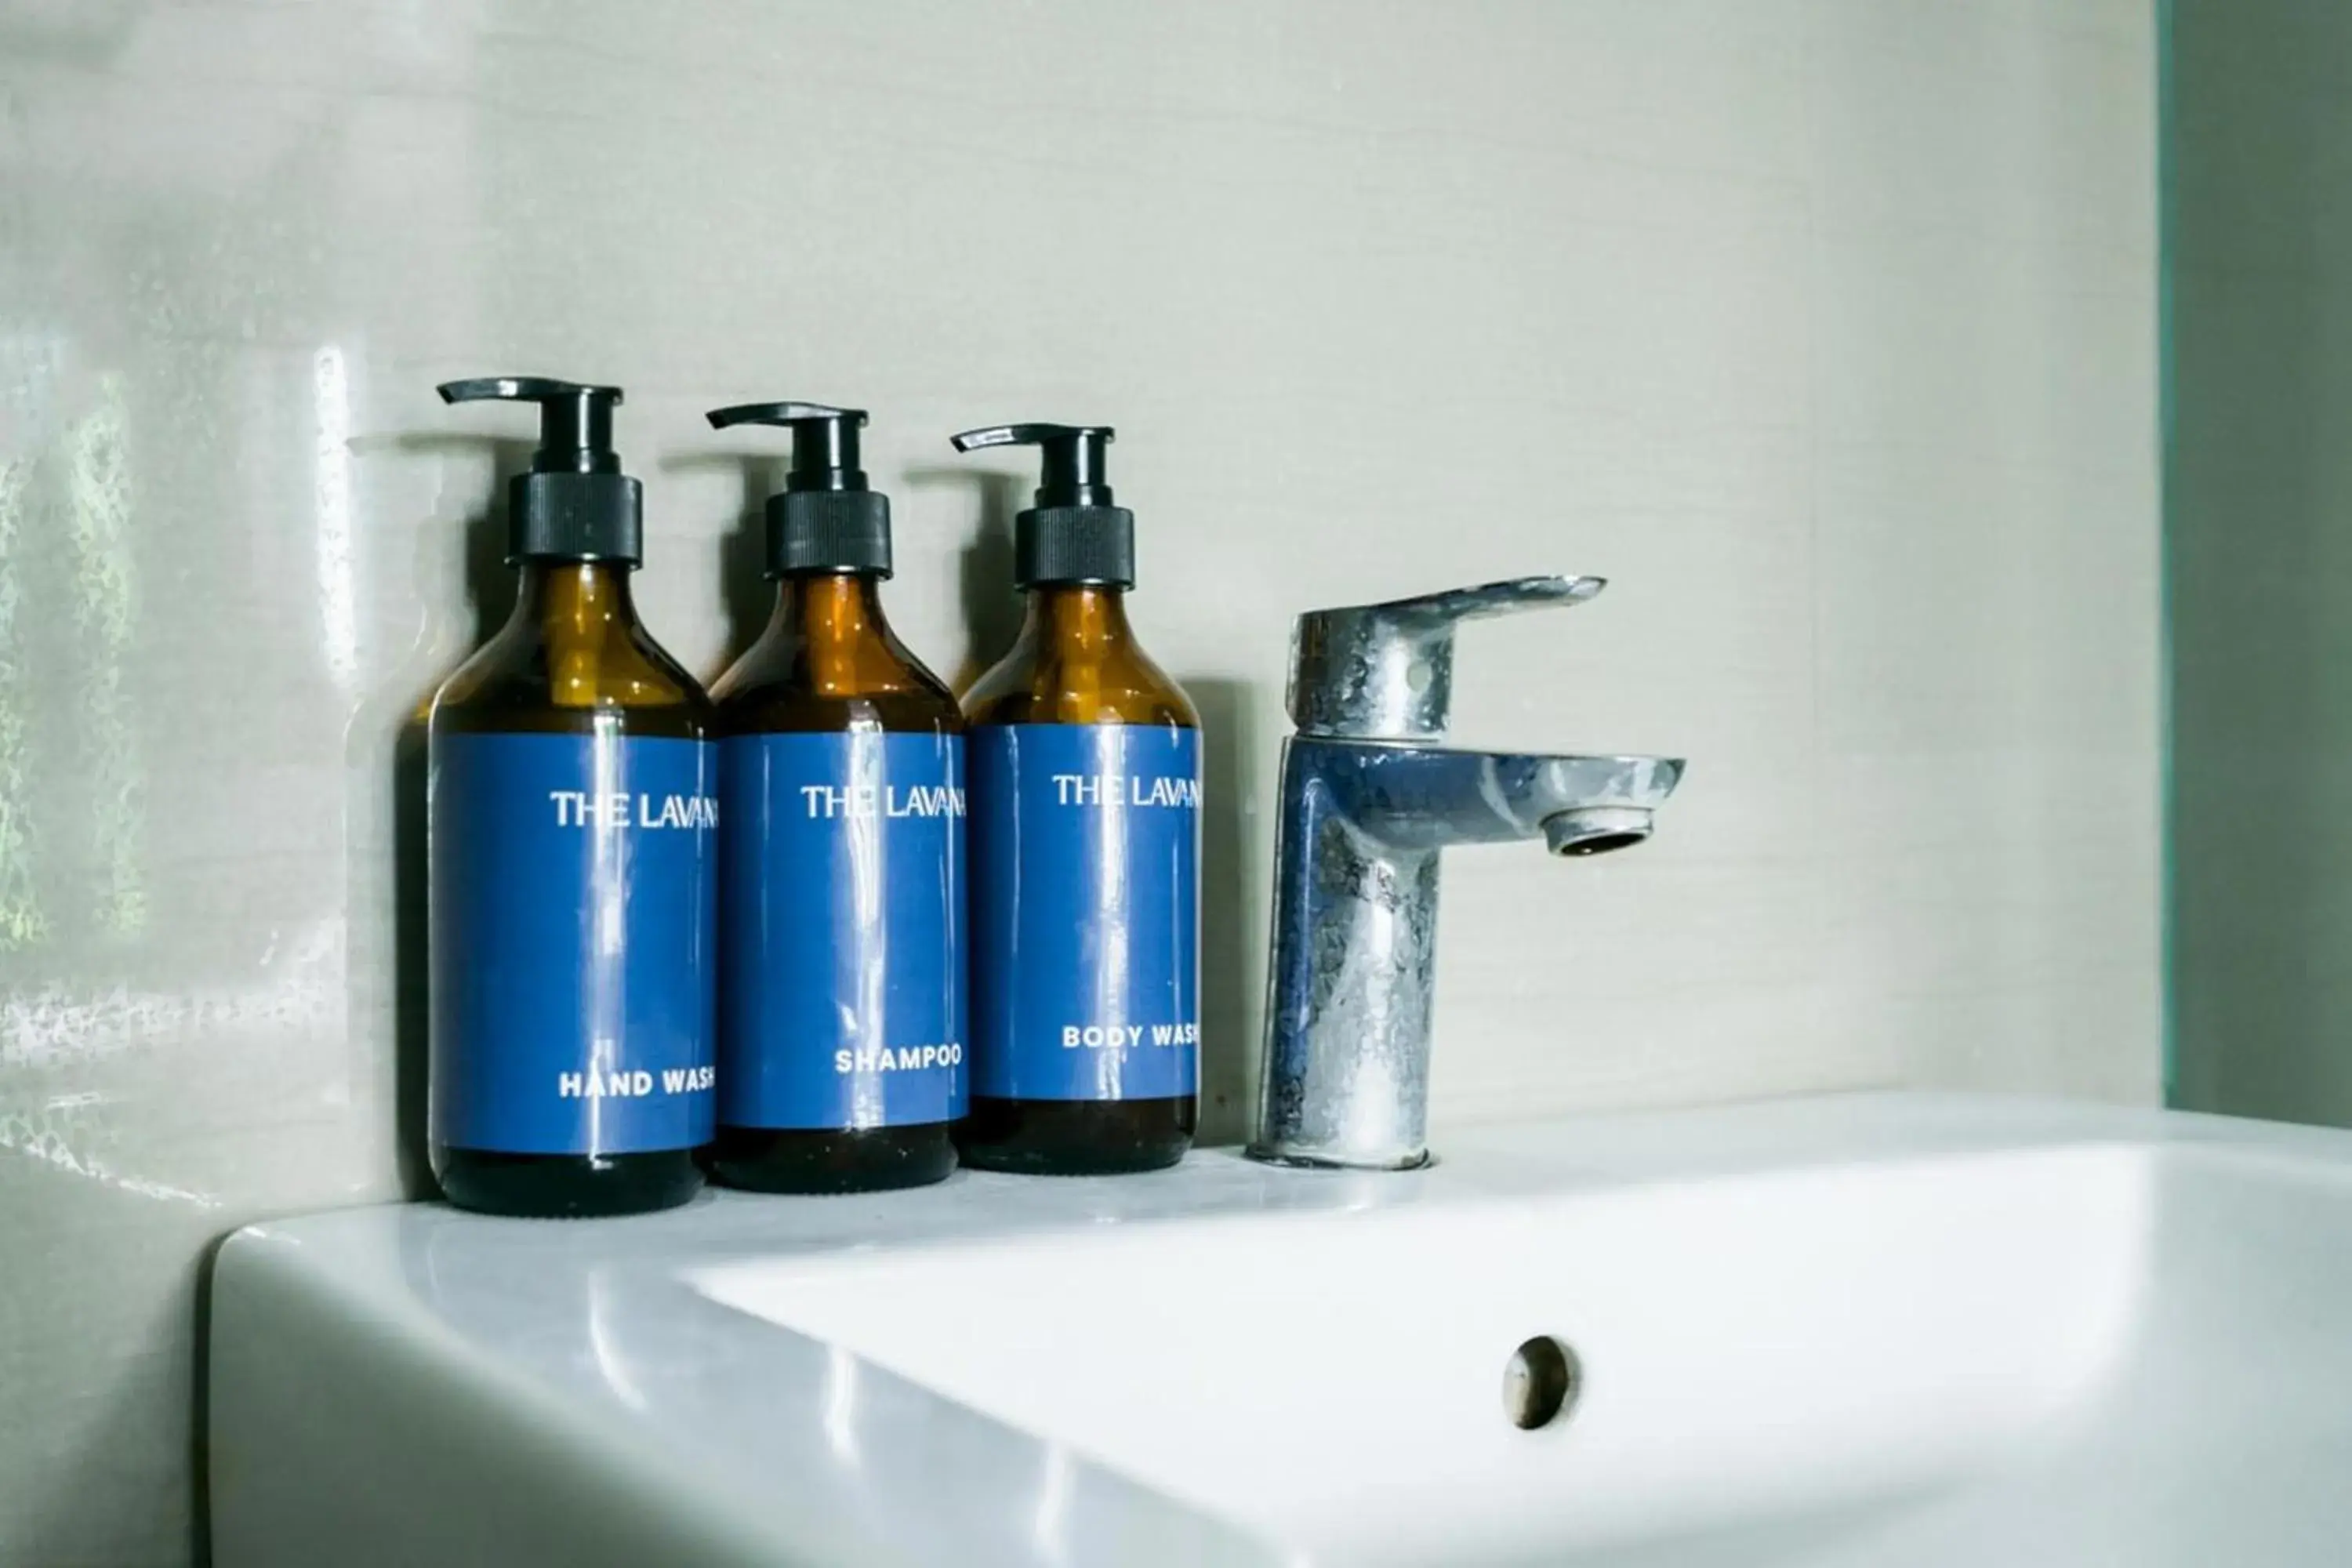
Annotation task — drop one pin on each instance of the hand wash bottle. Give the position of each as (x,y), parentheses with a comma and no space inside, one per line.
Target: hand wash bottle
(1086,852)
(572,817)
(841,860)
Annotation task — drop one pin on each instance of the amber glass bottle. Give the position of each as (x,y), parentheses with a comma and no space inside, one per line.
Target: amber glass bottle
(1085,849)
(841,1031)
(573,816)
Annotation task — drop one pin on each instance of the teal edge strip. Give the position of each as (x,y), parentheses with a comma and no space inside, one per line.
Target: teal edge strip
(2167,220)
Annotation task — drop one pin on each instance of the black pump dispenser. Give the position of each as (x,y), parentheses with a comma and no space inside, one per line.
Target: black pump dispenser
(1074,533)
(574,504)
(825,518)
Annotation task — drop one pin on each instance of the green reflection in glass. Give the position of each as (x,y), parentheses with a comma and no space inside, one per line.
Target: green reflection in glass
(21,922)
(98,492)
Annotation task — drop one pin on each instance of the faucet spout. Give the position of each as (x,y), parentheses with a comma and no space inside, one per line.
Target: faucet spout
(1596,829)
(1345,1080)
(1433,797)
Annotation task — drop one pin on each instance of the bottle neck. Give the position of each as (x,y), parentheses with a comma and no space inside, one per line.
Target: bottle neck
(574,597)
(1086,618)
(830,609)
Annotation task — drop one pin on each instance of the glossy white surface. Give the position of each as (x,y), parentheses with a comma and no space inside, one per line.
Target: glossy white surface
(1934,1330)
(1824,328)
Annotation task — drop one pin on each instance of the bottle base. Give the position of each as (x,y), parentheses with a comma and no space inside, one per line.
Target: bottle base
(565,1186)
(823,1161)
(1079,1137)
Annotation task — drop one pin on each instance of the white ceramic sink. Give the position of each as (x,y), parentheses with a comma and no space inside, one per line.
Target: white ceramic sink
(1862,1331)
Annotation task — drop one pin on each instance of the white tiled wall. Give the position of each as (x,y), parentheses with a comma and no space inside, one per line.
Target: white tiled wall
(1825,328)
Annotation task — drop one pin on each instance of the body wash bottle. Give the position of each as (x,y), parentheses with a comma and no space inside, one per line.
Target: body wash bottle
(572,818)
(842,965)
(1086,852)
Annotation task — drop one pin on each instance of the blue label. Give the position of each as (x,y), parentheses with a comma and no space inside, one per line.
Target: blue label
(842,965)
(574,906)
(1086,875)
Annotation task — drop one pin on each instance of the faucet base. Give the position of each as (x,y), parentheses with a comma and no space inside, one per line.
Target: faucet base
(1363,829)
(1296,1160)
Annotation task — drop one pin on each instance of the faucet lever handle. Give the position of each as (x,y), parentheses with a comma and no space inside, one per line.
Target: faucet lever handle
(1448,605)
(1386,671)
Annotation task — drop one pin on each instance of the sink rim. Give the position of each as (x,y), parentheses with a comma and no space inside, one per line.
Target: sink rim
(426,1288)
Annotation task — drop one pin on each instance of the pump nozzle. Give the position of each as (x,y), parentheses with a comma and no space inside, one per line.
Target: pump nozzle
(824,440)
(575,504)
(825,518)
(1074,533)
(575,422)
(1073,459)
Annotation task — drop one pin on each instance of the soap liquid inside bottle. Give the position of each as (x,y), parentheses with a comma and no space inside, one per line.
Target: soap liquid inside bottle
(1076,661)
(573,659)
(829,663)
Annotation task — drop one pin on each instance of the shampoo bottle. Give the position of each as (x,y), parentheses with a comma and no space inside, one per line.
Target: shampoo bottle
(1086,852)
(841,860)
(572,816)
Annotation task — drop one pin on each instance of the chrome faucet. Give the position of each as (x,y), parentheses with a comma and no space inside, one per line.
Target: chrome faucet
(1369,798)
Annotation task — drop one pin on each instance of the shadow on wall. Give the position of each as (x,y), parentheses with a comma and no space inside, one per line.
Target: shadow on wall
(143,1418)
(993,607)
(490,589)
(1230,901)
(746,594)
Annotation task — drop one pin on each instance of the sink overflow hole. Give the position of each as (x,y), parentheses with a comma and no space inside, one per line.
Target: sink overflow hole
(1540,1383)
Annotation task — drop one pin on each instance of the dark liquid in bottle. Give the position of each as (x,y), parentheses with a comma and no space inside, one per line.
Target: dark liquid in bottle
(572,655)
(1077,662)
(828,662)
